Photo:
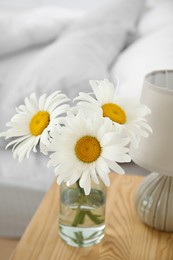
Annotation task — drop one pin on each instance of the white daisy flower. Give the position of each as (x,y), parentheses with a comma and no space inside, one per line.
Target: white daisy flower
(33,121)
(85,149)
(128,113)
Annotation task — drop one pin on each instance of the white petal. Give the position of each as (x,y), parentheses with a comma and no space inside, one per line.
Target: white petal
(18,140)
(94,176)
(75,176)
(104,176)
(115,167)
(29,105)
(86,98)
(85,182)
(42,101)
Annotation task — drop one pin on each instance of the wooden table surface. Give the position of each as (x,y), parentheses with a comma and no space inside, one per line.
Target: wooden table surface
(126,237)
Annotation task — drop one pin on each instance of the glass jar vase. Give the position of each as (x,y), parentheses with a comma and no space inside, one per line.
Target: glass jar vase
(82,217)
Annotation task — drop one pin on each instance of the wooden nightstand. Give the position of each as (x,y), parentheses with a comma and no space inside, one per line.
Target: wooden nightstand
(126,237)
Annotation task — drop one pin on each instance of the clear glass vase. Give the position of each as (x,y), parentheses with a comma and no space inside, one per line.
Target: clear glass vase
(81,217)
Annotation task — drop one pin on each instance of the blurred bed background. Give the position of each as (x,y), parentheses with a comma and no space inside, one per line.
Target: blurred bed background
(61,44)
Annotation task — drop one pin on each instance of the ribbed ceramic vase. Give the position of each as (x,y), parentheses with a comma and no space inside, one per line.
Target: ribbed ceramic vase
(154,201)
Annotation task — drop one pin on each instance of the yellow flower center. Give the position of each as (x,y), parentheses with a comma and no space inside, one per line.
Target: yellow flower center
(87,149)
(114,112)
(39,122)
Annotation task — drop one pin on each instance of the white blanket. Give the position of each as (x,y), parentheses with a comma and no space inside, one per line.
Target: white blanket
(152,51)
(21,30)
(85,51)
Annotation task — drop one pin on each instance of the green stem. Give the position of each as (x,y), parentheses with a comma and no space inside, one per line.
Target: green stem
(78,217)
(79,238)
(82,217)
(81,213)
(94,218)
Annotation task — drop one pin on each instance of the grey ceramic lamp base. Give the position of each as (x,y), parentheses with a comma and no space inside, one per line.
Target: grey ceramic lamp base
(154,198)
(154,201)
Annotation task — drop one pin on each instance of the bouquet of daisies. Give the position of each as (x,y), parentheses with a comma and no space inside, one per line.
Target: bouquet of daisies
(91,137)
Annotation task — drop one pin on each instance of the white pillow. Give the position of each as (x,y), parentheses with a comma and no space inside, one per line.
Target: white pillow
(85,52)
(152,52)
(152,3)
(159,16)
(21,30)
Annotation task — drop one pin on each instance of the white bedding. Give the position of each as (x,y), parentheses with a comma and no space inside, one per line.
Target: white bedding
(151,51)
(86,50)
(97,44)
(43,25)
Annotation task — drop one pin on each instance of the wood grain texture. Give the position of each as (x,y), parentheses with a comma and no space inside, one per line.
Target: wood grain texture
(126,238)
(7,246)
